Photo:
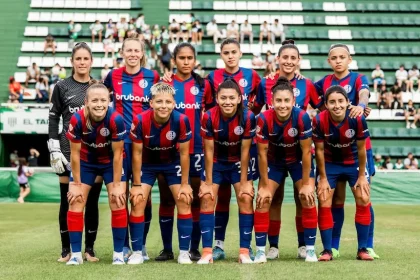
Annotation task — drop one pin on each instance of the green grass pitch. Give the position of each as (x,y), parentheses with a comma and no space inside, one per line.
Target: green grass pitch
(29,247)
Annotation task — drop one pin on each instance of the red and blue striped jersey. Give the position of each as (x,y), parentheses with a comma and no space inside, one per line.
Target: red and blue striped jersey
(353,83)
(191,99)
(131,92)
(160,142)
(283,137)
(227,134)
(304,91)
(339,139)
(247,79)
(96,144)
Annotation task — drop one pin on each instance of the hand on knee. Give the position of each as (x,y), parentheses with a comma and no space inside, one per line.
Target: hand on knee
(207,204)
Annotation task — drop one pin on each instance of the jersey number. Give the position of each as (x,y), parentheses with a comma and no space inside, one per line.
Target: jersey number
(178,172)
(197,163)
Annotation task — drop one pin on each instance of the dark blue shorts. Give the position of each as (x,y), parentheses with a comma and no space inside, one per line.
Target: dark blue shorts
(279,173)
(127,161)
(370,163)
(340,172)
(196,165)
(228,173)
(253,162)
(89,172)
(171,172)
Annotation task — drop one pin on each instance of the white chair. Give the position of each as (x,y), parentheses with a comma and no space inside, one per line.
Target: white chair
(351,47)
(298,19)
(254,19)
(334,34)
(60,60)
(263,5)
(267,47)
(416,98)
(399,111)
(185,5)
(353,65)
(218,5)
(274,6)
(386,114)
(24,61)
(79,17)
(48,61)
(30,31)
(62,47)
(102,17)
(296,6)
(287,19)
(247,63)
(252,6)
(284,6)
(305,64)
(373,97)
(342,20)
(67,62)
(81,4)
(173,16)
(374,114)
(38,46)
(219,18)
(230,6)
(407,96)
(245,48)
(229,18)
(20,77)
(340,6)
(30,94)
(92,4)
(27,47)
(47,4)
(303,48)
(97,47)
(127,16)
(45,16)
(255,48)
(241,18)
(90,17)
(328,6)
(241,5)
(97,62)
(36,4)
(33,16)
(70,4)
(59,4)
(103,4)
(330,20)
(265,18)
(56,17)
(37,60)
(108,61)
(114,17)
(114,4)
(67,17)
(42,31)
(220,63)
(346,34)
(174,5)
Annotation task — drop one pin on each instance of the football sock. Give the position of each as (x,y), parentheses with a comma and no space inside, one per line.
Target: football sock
(166,222)
(136,232)
(75,225)
(309,223)
(92,215)
(325,222)
(207,227)
(300,231)
(261,223)
(184,225)
(119,228)
(196,234)
(338,218)
(246,223)
(273,233)
(362,221)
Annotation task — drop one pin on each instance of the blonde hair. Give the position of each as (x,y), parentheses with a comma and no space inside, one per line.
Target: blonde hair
(135,37)
(93,84)
(162,88)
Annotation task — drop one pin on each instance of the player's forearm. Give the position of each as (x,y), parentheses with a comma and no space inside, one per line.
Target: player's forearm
(117,165)
(244,162)
(361,154)
(75,166)
(306,165)
(137,163)
(208,161)
(185,165)
(320,162)
(263,165)
(363,97)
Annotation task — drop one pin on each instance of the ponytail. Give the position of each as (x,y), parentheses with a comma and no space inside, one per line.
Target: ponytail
(288,44)
(22,162)
(230,83)
(282,84)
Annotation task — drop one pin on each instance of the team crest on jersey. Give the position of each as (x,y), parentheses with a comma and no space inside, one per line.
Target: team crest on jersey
(104,131)
(143,83)
(243,83)
(194,90)
(238,130)
(292,132)
(170,135)
(350,133)
(348,88)
(296,92)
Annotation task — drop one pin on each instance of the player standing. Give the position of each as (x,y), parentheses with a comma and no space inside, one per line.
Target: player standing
(357,88)
(305,93)
(156,135)
(227,130)
(96,135)
(130,86)
(284,146)
(340,150)
(193,97)
(69,97)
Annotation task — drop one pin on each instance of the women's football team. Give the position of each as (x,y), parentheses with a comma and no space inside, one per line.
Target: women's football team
(197,137)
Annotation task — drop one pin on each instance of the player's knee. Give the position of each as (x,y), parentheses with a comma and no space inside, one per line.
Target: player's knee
(183,207)
(77,206)
(362,200)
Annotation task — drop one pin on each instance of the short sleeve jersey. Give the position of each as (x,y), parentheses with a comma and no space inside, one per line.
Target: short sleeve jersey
(283,137)
(227,133)
(160,142)
(340,139)
(96,143)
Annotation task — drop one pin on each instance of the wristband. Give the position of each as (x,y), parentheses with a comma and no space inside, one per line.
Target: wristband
(136,185)
(362,105)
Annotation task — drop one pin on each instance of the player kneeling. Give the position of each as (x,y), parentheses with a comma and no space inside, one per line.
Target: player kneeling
(227,130)
(156,134)
(341,155)
(284,145)
(96,135)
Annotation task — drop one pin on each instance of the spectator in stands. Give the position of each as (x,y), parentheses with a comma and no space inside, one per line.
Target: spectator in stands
(33,157)
(15,91)
(401,75)
(397,102)
(131,27)
(410,162)
(23,173)
(109,46)
(265,32)
(413,77)
(122,27)
(192,18)
(49,44)
(41,88)
(63,74)
(196,33)
(184,32)
(199,70)
(416,119)
(55,72)
(110,29)
(384,98)
(213,30)
(257,60)
(73,33)
(409,111)
(232,30)
(14,158)
(388,164)
(104,72)
(174,30)
(165,59)
(378,77)
(246,30)
(164,36)
(378,161)
(139,23)
(399,165)
(277,31)
(46,74)
(96,29)
(156,33)
(32,73)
